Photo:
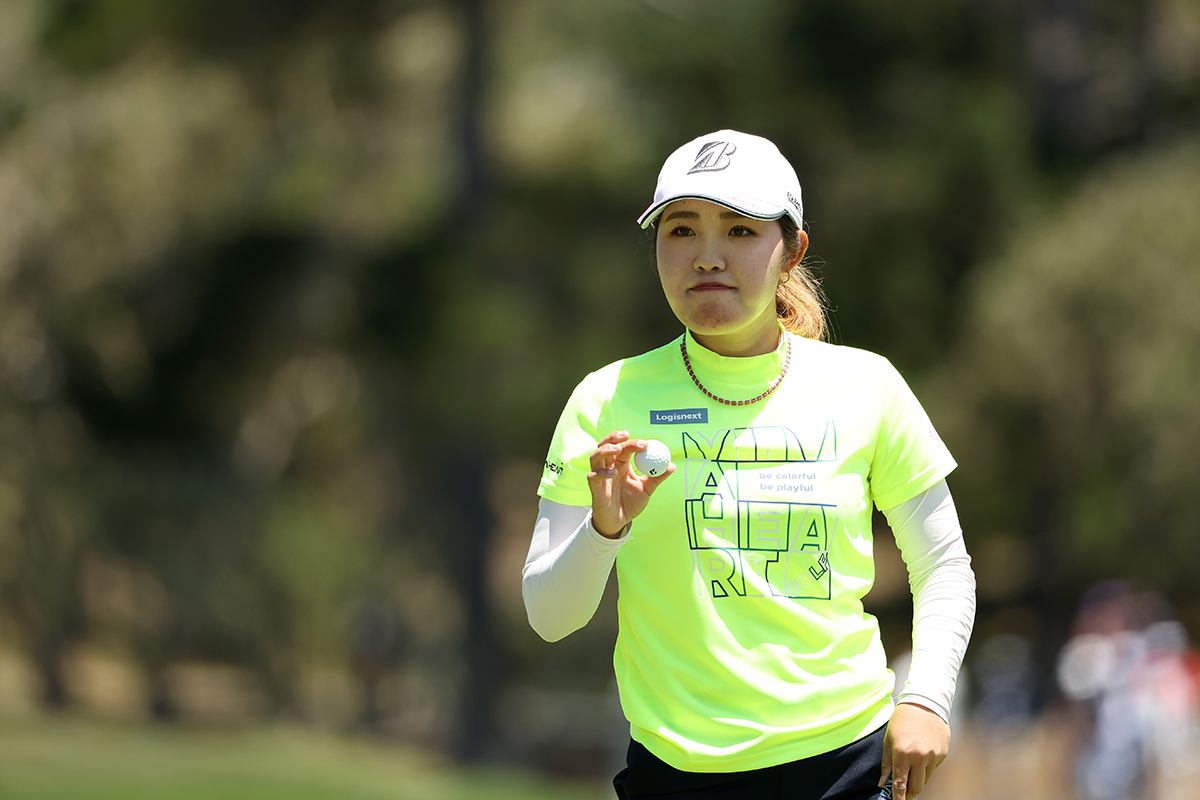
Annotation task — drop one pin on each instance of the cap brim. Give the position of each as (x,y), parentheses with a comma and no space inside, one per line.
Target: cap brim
(651,214)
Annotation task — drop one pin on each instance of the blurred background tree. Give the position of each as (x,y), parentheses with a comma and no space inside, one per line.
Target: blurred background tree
(291,295)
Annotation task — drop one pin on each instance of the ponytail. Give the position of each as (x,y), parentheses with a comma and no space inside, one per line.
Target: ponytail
(800,303)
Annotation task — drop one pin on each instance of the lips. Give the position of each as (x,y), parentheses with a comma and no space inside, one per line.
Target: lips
(711,286)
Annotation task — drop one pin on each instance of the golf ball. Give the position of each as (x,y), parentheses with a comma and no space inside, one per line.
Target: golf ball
(654,460)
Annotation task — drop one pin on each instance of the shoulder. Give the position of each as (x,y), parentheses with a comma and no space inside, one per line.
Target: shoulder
(648,366)
(853,360)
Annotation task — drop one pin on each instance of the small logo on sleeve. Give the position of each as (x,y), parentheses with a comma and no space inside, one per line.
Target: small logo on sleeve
(555,467)
(680,416)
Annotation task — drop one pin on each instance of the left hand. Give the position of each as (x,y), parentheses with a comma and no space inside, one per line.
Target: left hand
(618,494)
(916,742)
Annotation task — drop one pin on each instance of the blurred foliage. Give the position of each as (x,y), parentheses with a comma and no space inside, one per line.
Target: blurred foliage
(1080,362)
(291,295)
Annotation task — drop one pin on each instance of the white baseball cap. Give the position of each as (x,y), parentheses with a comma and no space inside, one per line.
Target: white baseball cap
(742,172)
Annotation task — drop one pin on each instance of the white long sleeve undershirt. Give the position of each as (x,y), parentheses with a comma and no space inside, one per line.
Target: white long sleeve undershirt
(931,543)
(566,569)
(569,563)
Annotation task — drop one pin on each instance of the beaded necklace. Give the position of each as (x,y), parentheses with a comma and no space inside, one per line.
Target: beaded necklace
(787,361)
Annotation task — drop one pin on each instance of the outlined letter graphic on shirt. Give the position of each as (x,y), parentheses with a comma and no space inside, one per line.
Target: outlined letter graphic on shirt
(755,523)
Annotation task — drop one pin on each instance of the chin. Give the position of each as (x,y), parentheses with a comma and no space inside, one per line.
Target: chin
(710,321)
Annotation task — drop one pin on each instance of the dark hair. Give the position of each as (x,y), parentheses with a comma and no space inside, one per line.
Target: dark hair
(800,303)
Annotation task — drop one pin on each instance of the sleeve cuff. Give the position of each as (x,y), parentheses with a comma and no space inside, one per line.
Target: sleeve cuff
(601,539)
(926,702)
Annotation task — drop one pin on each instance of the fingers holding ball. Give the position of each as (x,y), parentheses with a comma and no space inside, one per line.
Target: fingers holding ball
(651,457)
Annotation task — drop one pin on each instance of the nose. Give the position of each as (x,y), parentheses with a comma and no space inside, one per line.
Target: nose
(709,259)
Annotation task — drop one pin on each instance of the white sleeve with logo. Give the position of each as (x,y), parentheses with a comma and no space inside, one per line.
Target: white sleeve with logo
(930,539)
(566,570)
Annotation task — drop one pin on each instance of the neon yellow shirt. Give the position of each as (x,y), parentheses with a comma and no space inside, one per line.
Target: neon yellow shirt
(743,642)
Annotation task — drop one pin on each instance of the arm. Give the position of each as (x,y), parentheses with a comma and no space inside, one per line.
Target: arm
(572,551)
(566,569)
(943,586)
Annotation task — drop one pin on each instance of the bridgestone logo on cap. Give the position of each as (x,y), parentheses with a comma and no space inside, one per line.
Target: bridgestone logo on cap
(713,156)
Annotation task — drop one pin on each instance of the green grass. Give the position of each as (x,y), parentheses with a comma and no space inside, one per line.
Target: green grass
(59,758)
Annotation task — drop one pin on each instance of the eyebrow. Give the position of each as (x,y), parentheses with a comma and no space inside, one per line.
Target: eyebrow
(693,215)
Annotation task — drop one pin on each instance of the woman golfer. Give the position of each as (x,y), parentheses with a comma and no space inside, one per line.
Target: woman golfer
(746,665)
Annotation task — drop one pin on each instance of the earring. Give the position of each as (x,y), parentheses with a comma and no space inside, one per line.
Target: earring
(785,277)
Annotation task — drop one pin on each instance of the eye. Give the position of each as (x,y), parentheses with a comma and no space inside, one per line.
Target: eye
(681,230)
(739,231)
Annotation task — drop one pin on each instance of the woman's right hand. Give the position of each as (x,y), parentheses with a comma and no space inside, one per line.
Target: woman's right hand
(618,494)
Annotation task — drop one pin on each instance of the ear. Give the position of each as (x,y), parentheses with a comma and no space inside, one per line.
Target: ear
(803,238)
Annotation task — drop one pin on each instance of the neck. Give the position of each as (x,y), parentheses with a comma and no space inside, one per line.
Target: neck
(735,346)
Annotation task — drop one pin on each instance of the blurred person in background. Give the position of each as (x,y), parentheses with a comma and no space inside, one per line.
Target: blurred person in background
(1132,667)
(1168,692)
(745,662)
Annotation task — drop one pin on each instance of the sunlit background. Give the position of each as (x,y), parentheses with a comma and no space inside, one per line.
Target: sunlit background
(292,293)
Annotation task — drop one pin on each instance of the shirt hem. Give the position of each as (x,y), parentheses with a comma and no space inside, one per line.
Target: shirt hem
(894,497)
(850,731)
(555,493)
